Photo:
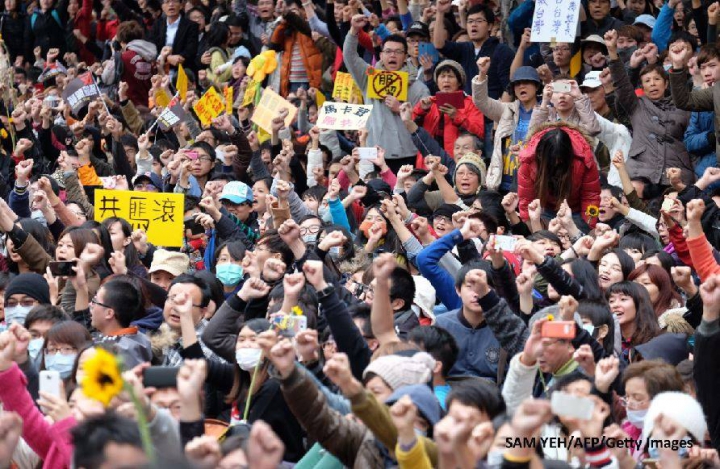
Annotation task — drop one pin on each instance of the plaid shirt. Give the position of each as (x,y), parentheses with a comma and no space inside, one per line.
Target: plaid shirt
(173,354)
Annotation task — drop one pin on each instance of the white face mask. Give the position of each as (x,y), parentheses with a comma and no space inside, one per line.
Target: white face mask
(637,417)
(34,348)
(16,314)
(248,358)
(495,457)
(589,328)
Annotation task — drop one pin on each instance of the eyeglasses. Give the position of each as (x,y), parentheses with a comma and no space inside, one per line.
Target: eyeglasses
(27,302)
(476,21)
(631,403)
(205,158)
(309,230)
(65,350)
(174,297)
(394,51)
(96,302)
(141,187)
(442,218)
(227,203)
(330,344)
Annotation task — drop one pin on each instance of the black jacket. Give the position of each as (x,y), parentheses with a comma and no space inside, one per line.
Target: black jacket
(13,33)
(707,375)
(46,32)
(186,39)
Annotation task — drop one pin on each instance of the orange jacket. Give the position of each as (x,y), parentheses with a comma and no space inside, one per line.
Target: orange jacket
(311,55)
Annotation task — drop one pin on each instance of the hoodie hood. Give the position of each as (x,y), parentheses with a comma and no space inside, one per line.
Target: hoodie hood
(152,321)
(147,50)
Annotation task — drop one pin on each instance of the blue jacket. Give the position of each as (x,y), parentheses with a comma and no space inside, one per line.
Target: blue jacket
(501,59)
(428,262)
(700,134)
(663,28)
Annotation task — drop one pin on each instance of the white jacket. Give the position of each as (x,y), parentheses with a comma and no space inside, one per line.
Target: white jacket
(615,137)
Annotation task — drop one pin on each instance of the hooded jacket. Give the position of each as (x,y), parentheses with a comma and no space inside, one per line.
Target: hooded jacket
(585,176)
(385,128)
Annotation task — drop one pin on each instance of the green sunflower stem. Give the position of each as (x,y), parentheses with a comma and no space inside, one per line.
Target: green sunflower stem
(250,391)
(142,424)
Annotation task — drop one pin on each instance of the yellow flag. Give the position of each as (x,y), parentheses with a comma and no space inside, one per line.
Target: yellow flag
(182,83)
(229,100)
(576,64)
(319,99)
(161,98)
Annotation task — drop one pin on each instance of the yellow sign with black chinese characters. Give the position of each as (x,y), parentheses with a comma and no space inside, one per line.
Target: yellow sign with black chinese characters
(159,214)
(209,106)
(382,83)
(345,89)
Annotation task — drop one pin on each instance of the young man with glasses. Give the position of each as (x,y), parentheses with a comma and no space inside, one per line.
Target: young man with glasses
(385,126)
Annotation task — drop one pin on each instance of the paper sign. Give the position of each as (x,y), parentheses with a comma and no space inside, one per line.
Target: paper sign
(229,99)
(250,92)
(173,114)
(268,108)
(182,83)
(160,214)
(162,98)
(382,83)
(209,106)
(345,88)
(341,116)
(555,21)
(80,91)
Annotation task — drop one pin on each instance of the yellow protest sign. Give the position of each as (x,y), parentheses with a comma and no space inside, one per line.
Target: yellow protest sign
(182,83)
(162,98)
(346,89)
(262,135)
(268,108)
(319,99)
(209,106)
(382,83)
(160,214)
(250,92)
(229,99)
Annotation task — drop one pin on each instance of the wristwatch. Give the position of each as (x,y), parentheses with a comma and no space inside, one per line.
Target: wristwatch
(325,292)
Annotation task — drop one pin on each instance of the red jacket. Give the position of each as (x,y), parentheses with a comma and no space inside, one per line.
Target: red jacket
(585,183)
(469,118)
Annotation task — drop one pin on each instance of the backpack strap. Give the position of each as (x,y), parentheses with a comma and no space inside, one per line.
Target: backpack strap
(53,13)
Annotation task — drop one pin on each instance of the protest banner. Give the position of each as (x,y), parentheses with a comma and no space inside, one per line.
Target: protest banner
(162,98)
(182,82)
(250,93)
(209,106)
(80,91)
(555,21)
(51,71)
(382,83)
(345,88)
(173,114)
(229,99)
(341,116)
(160,214)
(268,108)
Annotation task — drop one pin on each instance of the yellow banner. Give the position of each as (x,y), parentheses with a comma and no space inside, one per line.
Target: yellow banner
(162,98)
(345,89)
(269,107)
(229,100)
(182,83)
(209,106)
(250,92)
(160,214)
(382,83)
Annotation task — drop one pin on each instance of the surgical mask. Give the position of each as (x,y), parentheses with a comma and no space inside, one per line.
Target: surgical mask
(637,417)
(589,328)
(419,432)
(495,457)
(334,252)
(654,451)
(324,213)
(309,239)
(63,364)
(16,314)
(667,67)
(38,216)
(34,348)
(248,358)
(229,274)
(626,52)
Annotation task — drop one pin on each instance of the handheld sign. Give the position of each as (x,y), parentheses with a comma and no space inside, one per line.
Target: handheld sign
(345,88)
(555,21)
(209,106)
(160,214)
(341,116)
(382,83)
(268,108)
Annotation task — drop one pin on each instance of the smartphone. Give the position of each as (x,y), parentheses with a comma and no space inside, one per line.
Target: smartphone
(456,99)
(50,382)
(193,155)
(558,330)
(288,324)
(506,243)
(192,225)
(367,153)
(160,377)
(560,87)
(667,205)
(428,48)
(63,268)
(566,405)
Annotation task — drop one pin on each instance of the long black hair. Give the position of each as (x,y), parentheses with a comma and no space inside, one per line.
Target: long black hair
(554,156)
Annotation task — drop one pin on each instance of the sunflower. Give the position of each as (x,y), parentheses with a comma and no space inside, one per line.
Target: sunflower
(297,311)
(592,211)
(103,379)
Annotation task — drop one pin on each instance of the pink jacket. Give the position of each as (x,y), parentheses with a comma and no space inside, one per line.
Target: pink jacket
(52,442)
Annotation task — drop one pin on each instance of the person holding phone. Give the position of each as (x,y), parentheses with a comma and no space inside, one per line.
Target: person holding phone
(569,104)
(442,119)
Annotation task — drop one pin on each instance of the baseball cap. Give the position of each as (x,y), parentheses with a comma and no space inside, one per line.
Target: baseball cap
(172,262)
(645,20)
(592,80)
(418,27)
(150,177)
(237,192)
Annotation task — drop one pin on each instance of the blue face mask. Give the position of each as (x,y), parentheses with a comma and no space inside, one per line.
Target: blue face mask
(16,314)
(229,274)
(324,213)
(637,417)
(63,364)
(34,348)
(654,452)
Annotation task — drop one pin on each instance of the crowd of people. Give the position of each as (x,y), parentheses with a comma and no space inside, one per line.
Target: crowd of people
(524,272)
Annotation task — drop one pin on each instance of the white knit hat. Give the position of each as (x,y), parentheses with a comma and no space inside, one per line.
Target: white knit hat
(681,408)
(398,371)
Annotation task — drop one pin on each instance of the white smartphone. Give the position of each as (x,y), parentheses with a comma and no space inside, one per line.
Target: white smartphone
(50,382)
(506,243)
(560,87)
(567,405)
(367,153)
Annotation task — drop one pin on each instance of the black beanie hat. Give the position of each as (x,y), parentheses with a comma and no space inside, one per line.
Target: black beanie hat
(30,284)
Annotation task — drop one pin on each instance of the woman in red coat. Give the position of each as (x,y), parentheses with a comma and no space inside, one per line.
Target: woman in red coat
(445,123)
(558,164)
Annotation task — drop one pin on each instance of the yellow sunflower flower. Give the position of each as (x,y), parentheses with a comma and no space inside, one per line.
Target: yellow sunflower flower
(3,133)
(297,311)
(592,211)
(103,379)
